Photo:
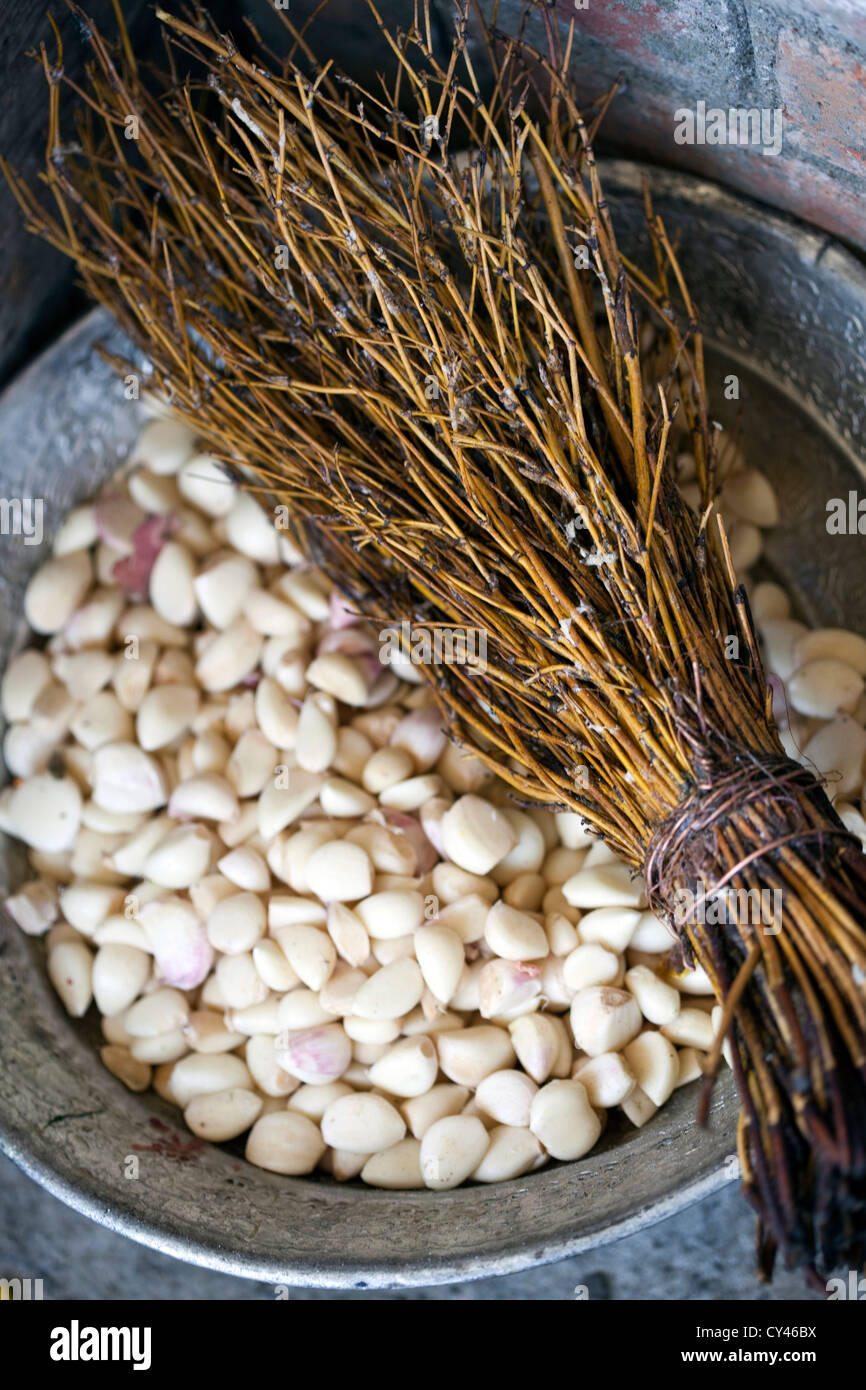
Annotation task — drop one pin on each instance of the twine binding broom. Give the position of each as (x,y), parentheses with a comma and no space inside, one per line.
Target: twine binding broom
(436,362)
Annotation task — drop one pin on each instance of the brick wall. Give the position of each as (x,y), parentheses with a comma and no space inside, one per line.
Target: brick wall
(804,58)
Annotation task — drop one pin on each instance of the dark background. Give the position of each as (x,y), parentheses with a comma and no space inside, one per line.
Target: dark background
(804,57)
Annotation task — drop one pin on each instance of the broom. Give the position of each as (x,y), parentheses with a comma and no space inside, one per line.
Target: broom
(435,361)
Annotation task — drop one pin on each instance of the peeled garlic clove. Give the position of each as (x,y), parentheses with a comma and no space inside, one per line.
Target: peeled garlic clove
(170,586)
(409,1068)
(77,531)
(229,658)
(236,924)
(605,885)
(207,797)
(86,904)
(690,1028)
(162,1011)
(204,1073)
(689,1065)
(507,1096)
(222,1115)
(397,1168)
(340,872)
(222,586)
(469,1055)
(780,637)
(307,593)
(348,934)
(313,1100)
(246,869)
(34,907)
(391,914)
(310,952)
(769,601)
(536,1042)
(56,589)
(658,1002)
(275,714)
(338,675)
(837,751)
(651,934)
(512,1152)
(391,992)
(70,970)
(563,1120)
(134,1074)
(654,1063)
(251,531)
(604,1019)
(476,835)
(749,495)
(284,800)
(125,778)
(638,1107)
(514,935)
(383,769)
(181,858)
(508,988)
(252,763)
(163,446)
(607,1079)
(362,1123)
(745,543)
(316,740)
(451,1150)
(119,975)
(589,965)
(612,927)
(285,1142)
(23,680)
(342,799)
(421,735)
(207,1032)
(529,850)
(825,687)
(204,482)
(834,643)
(45,812)
(440,954)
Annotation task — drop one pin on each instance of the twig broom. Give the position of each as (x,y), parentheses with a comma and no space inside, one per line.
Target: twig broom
(435,360)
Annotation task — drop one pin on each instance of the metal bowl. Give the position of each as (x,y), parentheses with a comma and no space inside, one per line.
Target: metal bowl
(784,309)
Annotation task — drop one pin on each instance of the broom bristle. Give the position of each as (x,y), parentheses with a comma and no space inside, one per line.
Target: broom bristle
(436,360)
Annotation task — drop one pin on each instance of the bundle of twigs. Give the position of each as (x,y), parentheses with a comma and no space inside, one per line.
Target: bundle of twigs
(435,360)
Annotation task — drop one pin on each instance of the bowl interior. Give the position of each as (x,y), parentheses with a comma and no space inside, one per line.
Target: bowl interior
(783,311)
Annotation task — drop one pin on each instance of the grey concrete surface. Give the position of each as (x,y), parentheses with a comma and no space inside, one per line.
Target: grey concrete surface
(703,1254)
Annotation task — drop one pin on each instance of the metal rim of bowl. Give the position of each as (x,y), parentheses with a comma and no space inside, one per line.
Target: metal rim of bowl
(515,1251)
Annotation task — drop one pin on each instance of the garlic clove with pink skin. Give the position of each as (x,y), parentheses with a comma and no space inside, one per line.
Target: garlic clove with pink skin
(179,942)
(315,1056)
